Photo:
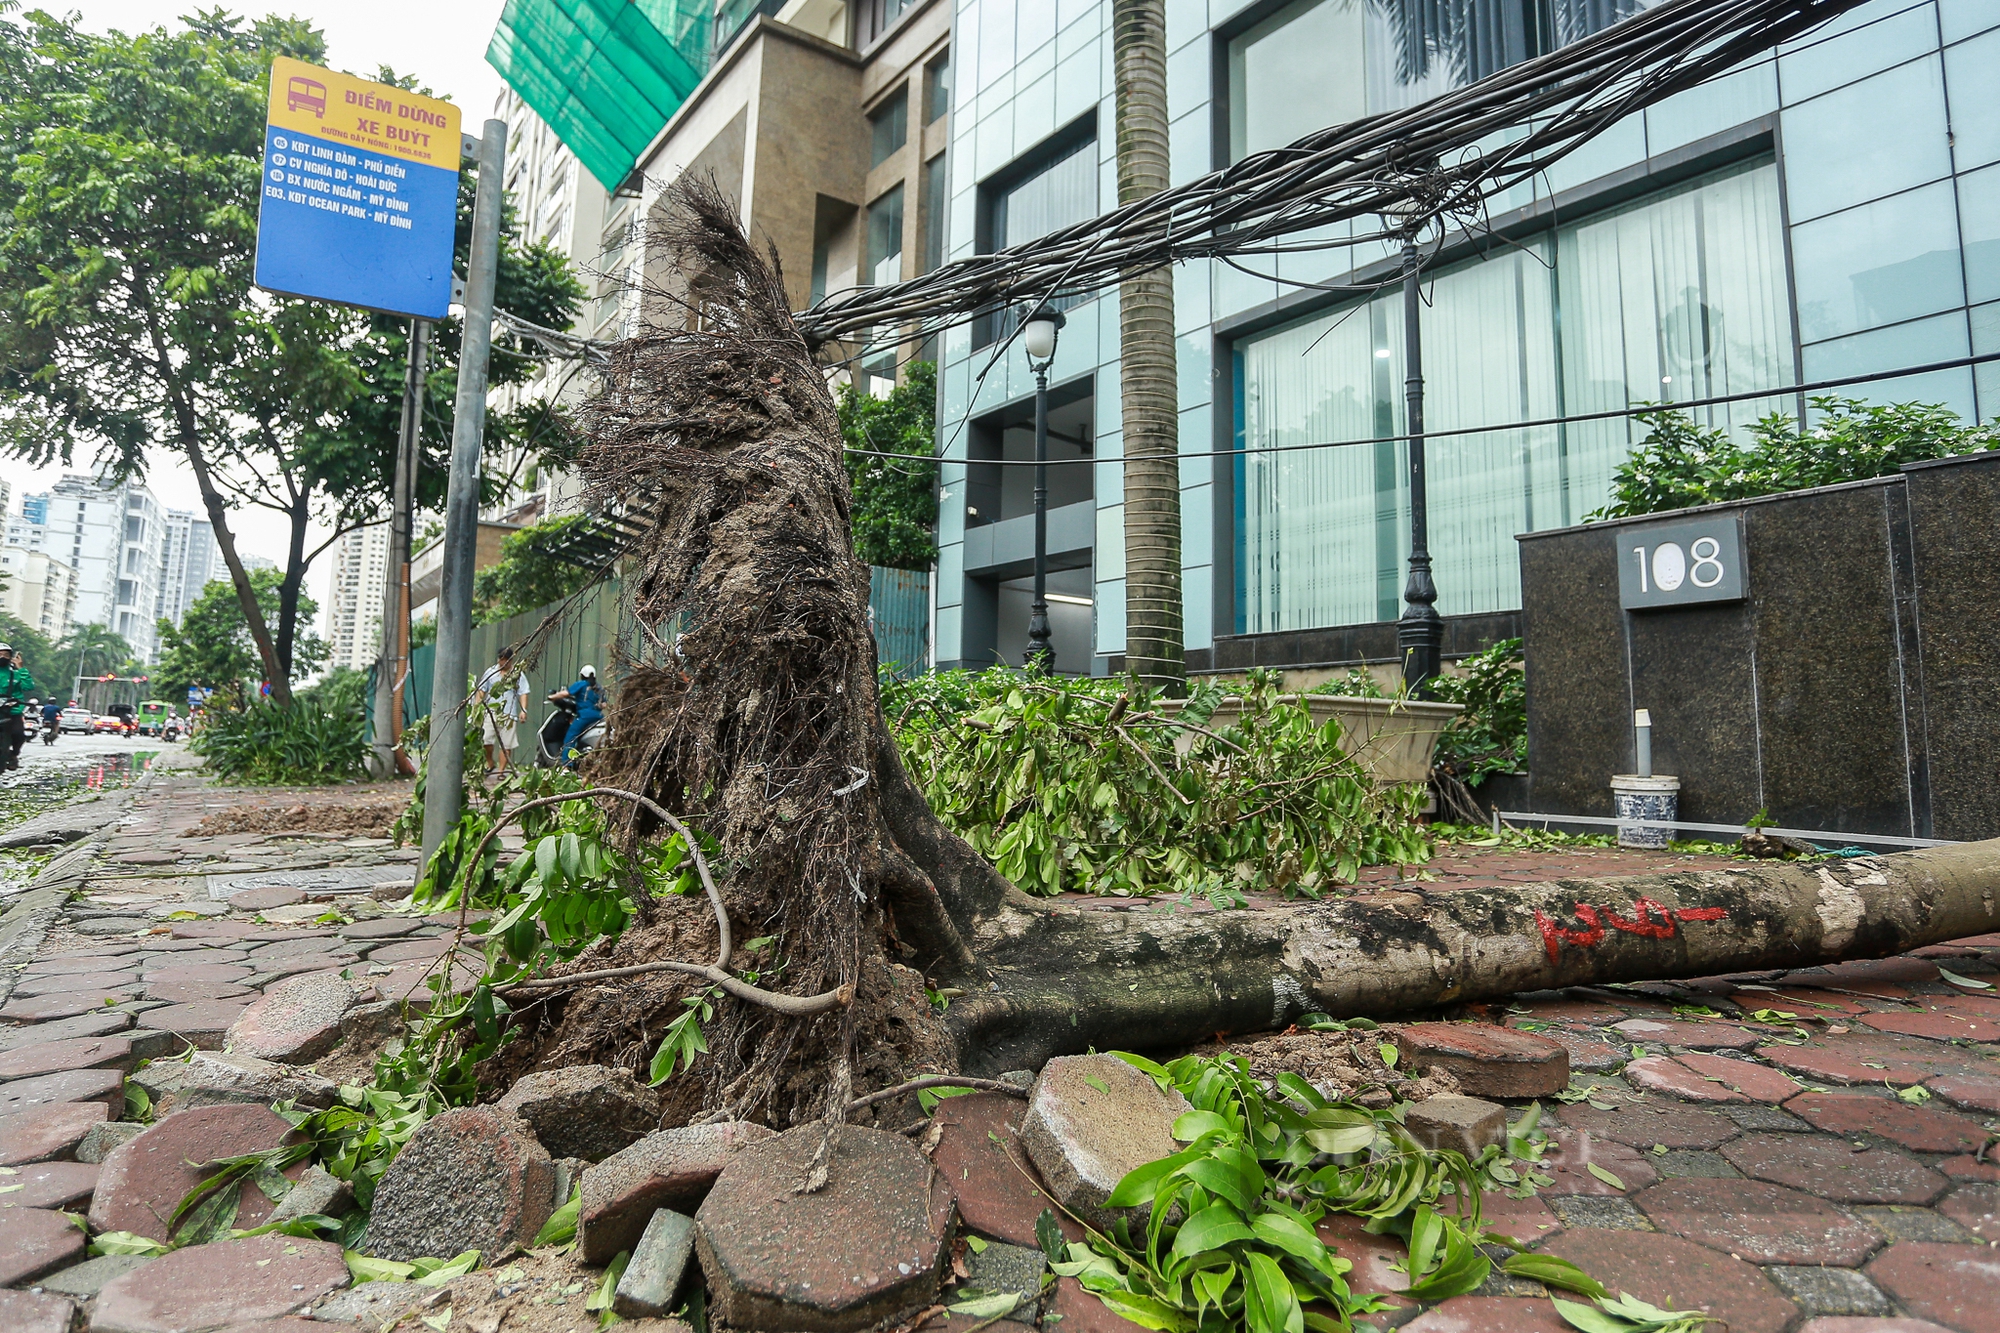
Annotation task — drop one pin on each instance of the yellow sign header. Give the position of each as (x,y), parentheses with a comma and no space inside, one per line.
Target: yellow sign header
(369,117)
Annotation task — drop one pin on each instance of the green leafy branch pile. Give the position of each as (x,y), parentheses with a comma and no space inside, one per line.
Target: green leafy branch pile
(1094,786)
(1229,1239)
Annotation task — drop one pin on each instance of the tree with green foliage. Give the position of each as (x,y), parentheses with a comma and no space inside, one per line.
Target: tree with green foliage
(129,166)
(526,578)
(212,647)
(895,502)
(96,650)
(1681,463)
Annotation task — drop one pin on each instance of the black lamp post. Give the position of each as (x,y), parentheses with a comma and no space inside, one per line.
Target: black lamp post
(1420,632)
(1038,337)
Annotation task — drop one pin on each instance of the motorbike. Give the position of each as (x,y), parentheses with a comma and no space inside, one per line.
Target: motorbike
(50,730)
(548,741)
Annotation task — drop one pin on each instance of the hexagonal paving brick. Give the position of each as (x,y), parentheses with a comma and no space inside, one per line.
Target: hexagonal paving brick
(380,928)
(296,1021)
(1920,1127)
(1695,1036)
(74,983)
(257,900)
(1870,1057)
(97,1023)
(48,1185)
(34,1241)
(1830,1292)
(1589,1055)
(1761,1222)
(1845,1324)
(979,1153)
(58,1057)
(672,1168)
(1587,1012)
(219,1285)
(1936,1024)
(1864,973)
(1976,1208)
(1668,1270)
(35,1312)
(1377,1260)
(1570,1155)
(1902,1222)
(1526,1220)
(1970,1091)
(1799,1001)
(866,1247)
(143,1181)
(1832,1169)
(1091,1119)
(79,964)
(1599,1212)
(43,1008)
(1759,1083)
(1641,1124)
(1967,1167)
(48,1132)
(587,1111)
(1487,1060)
(1663,1073)
(179,971)
(1489,1314)
(195,992)
(74,1085)
(1953,1284)
(473,1178)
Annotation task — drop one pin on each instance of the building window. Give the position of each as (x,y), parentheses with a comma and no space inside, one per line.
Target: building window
(1298,71)
(889,127)
(937,87)
(1678,296)
(936,209)
(135,528)
(1053,193)
(885,238)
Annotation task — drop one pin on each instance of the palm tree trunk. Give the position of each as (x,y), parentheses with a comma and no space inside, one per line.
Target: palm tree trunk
(1148,385)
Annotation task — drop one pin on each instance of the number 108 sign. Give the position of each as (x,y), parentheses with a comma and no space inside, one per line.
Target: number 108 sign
(1682,563)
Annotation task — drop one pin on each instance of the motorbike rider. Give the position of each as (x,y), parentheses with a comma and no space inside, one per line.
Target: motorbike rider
(51,721)
(589,703)
(15,687)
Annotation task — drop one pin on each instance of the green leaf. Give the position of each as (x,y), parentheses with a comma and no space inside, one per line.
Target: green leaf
(1270,1305)
(437,1272)
(125,1242)
(601,1298)
(1613,1181)
(365,1268)
(1967,982)
(1552,1271)
(1347,1139)
(560,1229)
(1048,1234)
(987,1307)
(1210,1229)
(1389,1053)
(1589,1318)
(1141,1183)
(1191,1125)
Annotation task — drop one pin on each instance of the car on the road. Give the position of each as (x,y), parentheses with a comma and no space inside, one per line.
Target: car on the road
(77,719)
(108,722)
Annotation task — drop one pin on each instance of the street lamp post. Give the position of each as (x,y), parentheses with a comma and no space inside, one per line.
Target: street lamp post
(1420,632)
(1038,336)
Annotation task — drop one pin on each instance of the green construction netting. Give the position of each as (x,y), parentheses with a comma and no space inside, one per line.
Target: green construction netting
(604,74)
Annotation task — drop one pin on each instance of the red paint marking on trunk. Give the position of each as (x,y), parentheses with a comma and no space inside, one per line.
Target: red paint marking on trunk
(1649,918)
(1642,922)
(1702,913)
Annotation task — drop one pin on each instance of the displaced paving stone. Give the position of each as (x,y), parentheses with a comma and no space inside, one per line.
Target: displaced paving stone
(1663,1073)
(1918,1127)
(111,925)
(92,1275)
(48,1185)
(1489,1314)
(58,1057)
(1830,1292)
(1952,1284)
(1643,1124)
(99,1023)
(1570,1155)
(1901,1224)
(143,1181)
(673,1168)
(1091,1120)
(296,1022)
(1599,1212)
(1976,1208)
(373,1024)
(258,900)
(1937,1025)
(587,1111)
(1761,1222)
(979,1153)
(76,1085)
(225,1283)
(1870,1057)
(1831,1168)
(48,1132)
(381,928)
(472,1178)
(867,1247)
(35,1312)
(1695,1036)
(1668,1270)
(1589,1055)
(1759,1083)
(317,1192)
(205,1023)
(212,1078)
(1969,1091)
(79,983)
(149,1044)
(34,1241)
(1462,1124)
(1487,1060)
(98,1141)
(652,1280)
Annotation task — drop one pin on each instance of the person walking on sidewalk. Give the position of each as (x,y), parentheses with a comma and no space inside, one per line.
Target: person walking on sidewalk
(503,700)
(15,687)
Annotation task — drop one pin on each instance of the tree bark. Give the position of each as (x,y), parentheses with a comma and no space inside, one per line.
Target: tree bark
(239,577)
(1149,389)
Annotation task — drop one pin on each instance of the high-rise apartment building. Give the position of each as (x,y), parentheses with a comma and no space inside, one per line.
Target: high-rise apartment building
(354,597)
(40,591)
(112,535)
(189,558)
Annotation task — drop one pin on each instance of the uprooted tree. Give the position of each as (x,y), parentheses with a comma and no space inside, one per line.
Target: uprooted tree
(760,725)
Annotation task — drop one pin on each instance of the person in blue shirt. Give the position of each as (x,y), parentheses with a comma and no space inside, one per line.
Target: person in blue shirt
(589,701)
(51,720)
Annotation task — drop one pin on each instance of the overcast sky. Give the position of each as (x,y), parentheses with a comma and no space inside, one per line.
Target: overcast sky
(443,44)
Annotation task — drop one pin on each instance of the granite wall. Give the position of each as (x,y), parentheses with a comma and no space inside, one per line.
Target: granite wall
(1854,688)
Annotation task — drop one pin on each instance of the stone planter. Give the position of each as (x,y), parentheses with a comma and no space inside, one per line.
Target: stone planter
(1393,738)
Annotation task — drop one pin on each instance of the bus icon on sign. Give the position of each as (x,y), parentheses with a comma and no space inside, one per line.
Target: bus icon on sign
(306,95)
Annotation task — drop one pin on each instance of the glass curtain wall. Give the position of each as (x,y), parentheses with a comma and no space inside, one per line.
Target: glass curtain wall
(1676,297)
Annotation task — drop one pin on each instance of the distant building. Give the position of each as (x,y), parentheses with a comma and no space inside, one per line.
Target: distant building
(112,535)
(40,591)
(354,597)
(30,527)
(189,558)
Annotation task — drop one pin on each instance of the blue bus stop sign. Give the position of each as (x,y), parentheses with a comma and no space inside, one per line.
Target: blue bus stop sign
(360,192)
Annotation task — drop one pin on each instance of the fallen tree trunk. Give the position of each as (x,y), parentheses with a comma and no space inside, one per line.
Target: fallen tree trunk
(760,724)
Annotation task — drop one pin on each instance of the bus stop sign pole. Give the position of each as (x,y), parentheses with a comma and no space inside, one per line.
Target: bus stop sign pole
(445,768)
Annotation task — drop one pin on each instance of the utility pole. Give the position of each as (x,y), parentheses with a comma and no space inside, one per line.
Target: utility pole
(1420,633)
(444,785)
(389,663)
